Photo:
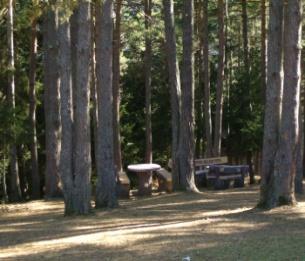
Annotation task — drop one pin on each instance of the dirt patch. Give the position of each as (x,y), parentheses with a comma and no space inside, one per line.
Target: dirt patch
(213,225)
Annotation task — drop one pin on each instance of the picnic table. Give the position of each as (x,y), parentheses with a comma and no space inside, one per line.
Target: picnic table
(144,174)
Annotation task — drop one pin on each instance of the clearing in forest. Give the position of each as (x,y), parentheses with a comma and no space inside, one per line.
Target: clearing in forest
(213,225)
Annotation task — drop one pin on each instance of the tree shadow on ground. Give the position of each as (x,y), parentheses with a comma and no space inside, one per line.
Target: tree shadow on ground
(220,225)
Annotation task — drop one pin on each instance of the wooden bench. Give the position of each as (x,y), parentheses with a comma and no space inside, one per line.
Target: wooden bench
(208,171)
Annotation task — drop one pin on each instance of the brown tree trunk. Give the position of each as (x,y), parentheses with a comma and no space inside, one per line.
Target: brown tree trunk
(280,189)
(186,144)
(106,171)
(245,42)
(147,69)
(206,79)
(51,105)
(273,100)
(175,86)
(82,139)
(116,87)
(263,48)
(66,111)
(93,91)
(220,80)
(3,178)
(300,151)
(15,192)
(35,178)
(286,157)
(247,92)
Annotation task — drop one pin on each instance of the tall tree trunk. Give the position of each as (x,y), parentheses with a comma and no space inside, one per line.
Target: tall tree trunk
(198,80)
(147,69)
(263,48)
(220,80)
(106,171)
(186,149)
(51,104)
(82,139)
(66,110)
(280,189)
(247,79)
(273,100)
(300,152)
(116,87)
(15,192)
(3,177)
(286,157)
(245,40)
(175,86)
(206,79)
(35,178)
(94,112)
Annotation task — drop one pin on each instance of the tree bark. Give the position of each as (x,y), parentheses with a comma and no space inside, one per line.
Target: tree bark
(300,154)
(281,183)
(15,192)
(286,157)
(186,149)
(245,42)
(35,178)
(116,87)
(82,139)
(206,79)
(51,105)
(220,80)
(3,179)
(263,48)
(175,86)
(66,110)
(106,171)
(147,69)
(273,100)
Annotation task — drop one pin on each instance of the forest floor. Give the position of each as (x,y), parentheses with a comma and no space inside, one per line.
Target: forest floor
(213,225)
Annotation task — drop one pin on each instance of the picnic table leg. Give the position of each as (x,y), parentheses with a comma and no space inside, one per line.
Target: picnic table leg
(145,183)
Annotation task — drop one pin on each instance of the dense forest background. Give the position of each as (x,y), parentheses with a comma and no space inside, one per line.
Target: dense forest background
(241,24)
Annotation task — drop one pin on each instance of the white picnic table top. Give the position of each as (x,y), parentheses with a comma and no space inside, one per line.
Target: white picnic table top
(143,167)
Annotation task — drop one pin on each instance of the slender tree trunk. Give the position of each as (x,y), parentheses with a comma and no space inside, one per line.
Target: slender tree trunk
(300,152)
(66,110)
(175,86)
(116,87)
(35,178)
(94,110)
(303,106)
(263,48)
(206,79)
(247,79)
(82,139)
(198,80)
(3,176)
(245,40)
(186,149)
(147,69)
(273,100)
(74,33)
(220,80)
(15,192)
(51,104)
(286,157)
(106,183)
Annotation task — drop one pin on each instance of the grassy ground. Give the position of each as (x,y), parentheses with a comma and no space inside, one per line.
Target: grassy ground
(213,225)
